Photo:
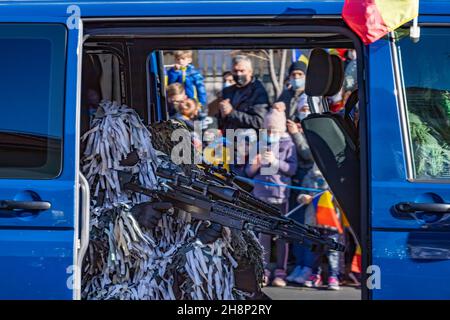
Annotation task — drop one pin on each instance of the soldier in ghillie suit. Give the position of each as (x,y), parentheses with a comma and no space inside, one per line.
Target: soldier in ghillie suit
(145,249)
(247,251)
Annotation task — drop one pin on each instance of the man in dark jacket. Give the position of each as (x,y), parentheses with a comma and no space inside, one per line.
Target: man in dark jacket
(294,97)
(294,103)
(245,103)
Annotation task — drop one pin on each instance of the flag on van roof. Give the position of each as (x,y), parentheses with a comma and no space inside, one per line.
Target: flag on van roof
(372,19)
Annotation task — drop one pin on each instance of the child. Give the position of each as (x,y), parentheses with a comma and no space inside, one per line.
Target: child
(185,73)
(187,112)
(323,213)
(282,157)
(245,140)
(175,96)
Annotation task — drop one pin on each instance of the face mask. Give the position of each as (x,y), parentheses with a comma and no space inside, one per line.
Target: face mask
(352,55)
(226,85)
(298,83)
(240,79)
(271,139)
(303,114)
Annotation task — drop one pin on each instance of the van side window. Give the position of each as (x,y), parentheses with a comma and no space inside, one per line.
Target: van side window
(32,80)
(426,80)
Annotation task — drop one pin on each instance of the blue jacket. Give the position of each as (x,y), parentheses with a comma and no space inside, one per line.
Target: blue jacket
(193,83)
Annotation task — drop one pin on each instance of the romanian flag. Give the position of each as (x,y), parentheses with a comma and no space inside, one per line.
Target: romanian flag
(325,211)
(339,52)
(372,19)
(356,261)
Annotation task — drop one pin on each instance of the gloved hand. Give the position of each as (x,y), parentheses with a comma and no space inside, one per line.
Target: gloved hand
(131,159)
(147,214)
(209,234)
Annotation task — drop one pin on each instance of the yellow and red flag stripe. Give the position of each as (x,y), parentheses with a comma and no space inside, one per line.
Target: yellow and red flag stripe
(372,19)
(326,212)
(356,261)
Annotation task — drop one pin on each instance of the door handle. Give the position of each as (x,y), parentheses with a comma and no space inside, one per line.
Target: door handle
(413,207)
(24,205)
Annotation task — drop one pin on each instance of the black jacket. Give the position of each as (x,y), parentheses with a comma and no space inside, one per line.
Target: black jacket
(305,158)
(250,104)
(290,99)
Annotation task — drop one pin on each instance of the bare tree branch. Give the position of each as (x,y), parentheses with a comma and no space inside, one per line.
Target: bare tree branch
(266,53)
(273,73)
(282,69)
(257,56)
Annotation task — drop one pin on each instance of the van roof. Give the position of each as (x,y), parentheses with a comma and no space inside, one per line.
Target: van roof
(136,8)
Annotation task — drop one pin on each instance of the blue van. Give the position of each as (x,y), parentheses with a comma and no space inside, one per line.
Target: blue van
(399,158)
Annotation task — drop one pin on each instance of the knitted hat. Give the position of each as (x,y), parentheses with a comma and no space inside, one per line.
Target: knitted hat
(298,65)
(275,120)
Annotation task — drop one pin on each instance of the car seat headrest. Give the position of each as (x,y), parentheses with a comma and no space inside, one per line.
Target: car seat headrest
(319,73)
(337,79)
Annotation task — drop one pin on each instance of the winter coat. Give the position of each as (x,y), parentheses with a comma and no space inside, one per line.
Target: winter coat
(193,83)
(292,99)
(287,157)
(250,104)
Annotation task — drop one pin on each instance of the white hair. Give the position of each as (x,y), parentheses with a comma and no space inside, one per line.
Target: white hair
(242,59)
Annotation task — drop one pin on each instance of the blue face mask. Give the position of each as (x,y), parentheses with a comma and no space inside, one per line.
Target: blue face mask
(271,139)
(298,83)
(226,85)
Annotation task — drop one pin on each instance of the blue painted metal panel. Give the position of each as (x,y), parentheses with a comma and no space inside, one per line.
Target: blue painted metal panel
(37,249)
(134,8)
(170,8)
(34,264)
(402,277)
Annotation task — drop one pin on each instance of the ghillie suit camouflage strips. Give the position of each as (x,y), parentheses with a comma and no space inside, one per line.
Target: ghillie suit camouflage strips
(125,261)
(161,139)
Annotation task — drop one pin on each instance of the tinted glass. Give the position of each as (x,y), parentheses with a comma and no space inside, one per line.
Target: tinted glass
(426,78)
(32,77)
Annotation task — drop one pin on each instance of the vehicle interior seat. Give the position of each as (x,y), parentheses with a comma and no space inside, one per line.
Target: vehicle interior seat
(350,104)
(332,142)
